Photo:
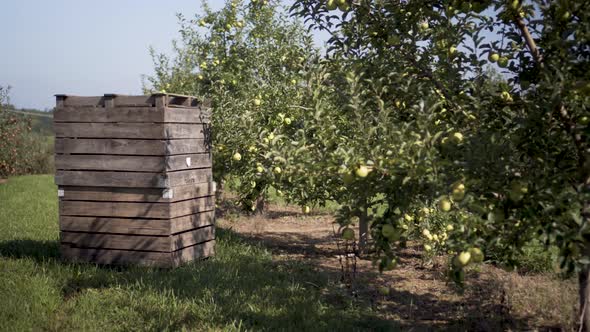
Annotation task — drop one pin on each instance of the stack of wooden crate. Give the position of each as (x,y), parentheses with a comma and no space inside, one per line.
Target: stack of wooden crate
(134,179)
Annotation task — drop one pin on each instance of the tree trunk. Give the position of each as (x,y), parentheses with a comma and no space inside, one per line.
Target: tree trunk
(260,203)
(584,291)
(363,231)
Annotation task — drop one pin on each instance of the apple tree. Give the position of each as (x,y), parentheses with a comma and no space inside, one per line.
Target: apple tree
(249,59)
(485,165)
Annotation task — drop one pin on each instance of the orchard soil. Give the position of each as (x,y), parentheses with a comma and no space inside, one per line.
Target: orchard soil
(416,296)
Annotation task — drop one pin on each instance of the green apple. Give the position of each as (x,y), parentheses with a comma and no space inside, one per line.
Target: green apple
(462,259)
(566,16)
(515,5)
(423,26)
(444,205)
(343,5)
(239,24)
(458,194)
(277,170)
(457,137)
(362,171)
(287,121)
(503,62)
(257,102)
(494,57)
(237,156)
(228,27)
(348,234)
(505,95)
(408,217)
(259,169)
(200,77)
(271,136)
(476,255)
(331,5)
(427,247)
(583,120)
(426,232)
(449,227)
(293,81)
(305,209)
(452,50)
(202,23)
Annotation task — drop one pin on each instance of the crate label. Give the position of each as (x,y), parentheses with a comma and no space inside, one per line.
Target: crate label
(214,186)
(188,161)
(168,193)
(60,193)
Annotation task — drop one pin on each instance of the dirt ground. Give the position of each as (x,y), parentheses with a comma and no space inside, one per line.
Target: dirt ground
(413,295)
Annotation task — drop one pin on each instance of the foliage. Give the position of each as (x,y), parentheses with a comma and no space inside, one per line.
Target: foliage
(24,149)
(248,59)
(508,157)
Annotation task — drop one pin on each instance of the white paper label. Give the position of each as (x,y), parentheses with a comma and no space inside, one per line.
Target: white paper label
(60,193)
(168,193)
(188,161)
(214,186)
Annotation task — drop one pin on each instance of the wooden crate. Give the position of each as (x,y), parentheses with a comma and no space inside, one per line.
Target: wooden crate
(134,179)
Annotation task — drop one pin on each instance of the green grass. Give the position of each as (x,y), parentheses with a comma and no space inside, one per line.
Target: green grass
(241,288)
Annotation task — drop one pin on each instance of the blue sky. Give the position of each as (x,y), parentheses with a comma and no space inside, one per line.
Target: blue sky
(83,47)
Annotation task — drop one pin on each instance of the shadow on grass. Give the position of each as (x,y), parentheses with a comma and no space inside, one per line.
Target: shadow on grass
(244,287)
(37,250)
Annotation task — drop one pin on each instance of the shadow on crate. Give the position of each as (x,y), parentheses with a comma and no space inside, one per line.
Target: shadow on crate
(38,250)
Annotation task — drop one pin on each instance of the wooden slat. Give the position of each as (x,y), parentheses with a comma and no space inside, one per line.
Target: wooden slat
(128,130)
(75,101)
(144,258)
(199,251)
(192,237)
(179,193)
(133,179)
(130,147)
(136,226)
(117,241)
(197,220)
(137,209)
(105,114)
(132,163)
(133,101)
(118,257)
(115,225)
(132,115)
(138,242)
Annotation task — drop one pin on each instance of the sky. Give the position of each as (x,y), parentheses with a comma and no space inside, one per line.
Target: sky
(83,47)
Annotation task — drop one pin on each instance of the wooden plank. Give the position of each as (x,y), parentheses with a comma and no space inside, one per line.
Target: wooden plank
(115,209)
(187,115)
(118,257)
(130,146)
(199,251)
(192,237)
(133,101)
(137,209)
(192,206)
(111,179)
(133,179)
(132,163)
(180,193)
(138,242)
(128,130)
(106,114)
(132,115)
(143,258)
(75,101)
(115,225)
(197,220)
(136,226)
(117,241)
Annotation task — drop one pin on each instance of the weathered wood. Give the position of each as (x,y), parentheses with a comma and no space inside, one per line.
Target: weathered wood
(130,146)
(144,258)
(132,115)
(162,195)
(133,179)
(198,251)
(128,130)
(132,163)
(136,226)
(137,209)
(138,242)
(75,101)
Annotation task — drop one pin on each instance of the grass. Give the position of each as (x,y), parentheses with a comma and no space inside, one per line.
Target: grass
(241,288)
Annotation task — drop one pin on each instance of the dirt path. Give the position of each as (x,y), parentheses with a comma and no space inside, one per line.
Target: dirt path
(419,297)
